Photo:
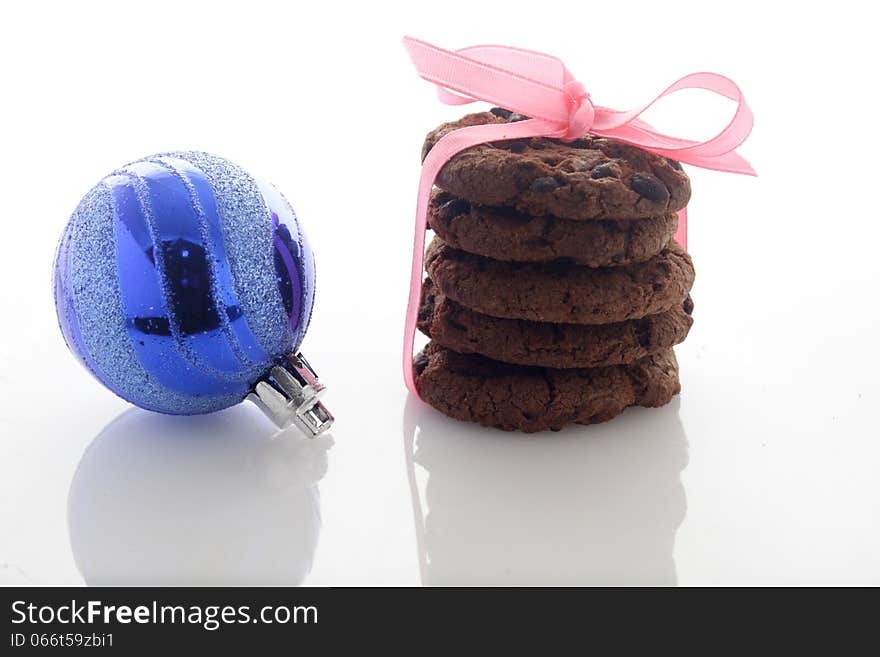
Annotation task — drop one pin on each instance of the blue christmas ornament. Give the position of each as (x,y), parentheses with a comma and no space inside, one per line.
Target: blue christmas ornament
(185,285)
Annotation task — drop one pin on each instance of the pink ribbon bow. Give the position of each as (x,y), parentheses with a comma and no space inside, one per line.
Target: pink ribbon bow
(541,87)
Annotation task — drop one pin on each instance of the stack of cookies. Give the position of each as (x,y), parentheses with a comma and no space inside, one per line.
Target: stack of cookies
(556,290)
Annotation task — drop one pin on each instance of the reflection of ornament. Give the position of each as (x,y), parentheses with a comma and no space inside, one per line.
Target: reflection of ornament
(185,285)
(204,500)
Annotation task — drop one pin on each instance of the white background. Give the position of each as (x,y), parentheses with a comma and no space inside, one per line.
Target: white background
(764,471)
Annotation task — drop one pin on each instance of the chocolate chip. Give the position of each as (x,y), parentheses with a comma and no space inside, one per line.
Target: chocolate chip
(688,305)
(580,143)
(500,112)
(426,310)
(515,145)
(514,117)
(648,186)
(675,164)
(525,173)
(544,185)
(420,362)
(606,170)
(617,259)
(451,209)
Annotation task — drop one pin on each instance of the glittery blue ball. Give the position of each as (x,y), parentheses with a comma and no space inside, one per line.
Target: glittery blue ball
(180,280)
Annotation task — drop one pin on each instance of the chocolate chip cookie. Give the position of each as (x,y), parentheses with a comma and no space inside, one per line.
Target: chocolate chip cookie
(554,292)
(504,234)
(513,397)
(588,178)
(550,345)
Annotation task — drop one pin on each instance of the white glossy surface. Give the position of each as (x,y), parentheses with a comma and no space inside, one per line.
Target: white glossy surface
(765,470)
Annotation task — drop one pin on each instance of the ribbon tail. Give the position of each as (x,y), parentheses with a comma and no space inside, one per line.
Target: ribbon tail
(448,146)
(731,162)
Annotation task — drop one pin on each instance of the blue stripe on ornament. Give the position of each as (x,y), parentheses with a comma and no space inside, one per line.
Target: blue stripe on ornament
(287,239)
(307,262)
(148,320)
(246,225)
(236,329)
(186,277)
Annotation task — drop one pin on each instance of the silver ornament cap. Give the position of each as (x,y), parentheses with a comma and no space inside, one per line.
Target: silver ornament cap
(290,394)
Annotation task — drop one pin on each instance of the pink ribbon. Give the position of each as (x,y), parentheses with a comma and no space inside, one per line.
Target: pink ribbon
(541,87)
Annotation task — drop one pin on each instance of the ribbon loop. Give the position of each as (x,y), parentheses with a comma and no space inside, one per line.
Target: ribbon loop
(541,87)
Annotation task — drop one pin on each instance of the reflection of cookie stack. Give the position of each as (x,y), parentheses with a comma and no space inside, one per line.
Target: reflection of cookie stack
(556,291)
